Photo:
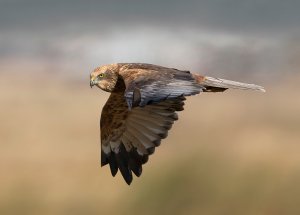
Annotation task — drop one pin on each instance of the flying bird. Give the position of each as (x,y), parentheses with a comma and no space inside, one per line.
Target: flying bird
(141,108)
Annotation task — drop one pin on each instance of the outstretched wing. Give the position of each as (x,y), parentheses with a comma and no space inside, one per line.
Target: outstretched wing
(147,83)
(128,137)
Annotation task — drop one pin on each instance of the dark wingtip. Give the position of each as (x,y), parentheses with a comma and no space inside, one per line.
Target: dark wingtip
(122,158)
(104,158)
(128,180)
(145,158)
(135,162)
(113,164)
(157,142)
(151,150)
(127,162)
(162,136)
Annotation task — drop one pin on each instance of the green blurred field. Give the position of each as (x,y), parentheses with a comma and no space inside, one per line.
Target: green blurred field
(231,153)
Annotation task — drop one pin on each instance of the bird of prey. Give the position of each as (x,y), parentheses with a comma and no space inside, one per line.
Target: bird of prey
(142,107)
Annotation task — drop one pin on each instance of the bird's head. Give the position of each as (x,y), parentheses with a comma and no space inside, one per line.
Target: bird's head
(104,77)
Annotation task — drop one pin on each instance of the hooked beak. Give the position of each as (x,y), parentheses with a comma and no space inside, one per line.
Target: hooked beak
(92,83)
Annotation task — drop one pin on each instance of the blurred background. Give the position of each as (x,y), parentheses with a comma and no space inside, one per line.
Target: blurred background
(230,153)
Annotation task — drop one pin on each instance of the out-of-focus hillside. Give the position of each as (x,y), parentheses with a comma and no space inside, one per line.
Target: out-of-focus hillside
(235,152)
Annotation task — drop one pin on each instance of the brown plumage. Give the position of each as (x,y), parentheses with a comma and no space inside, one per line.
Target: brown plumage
(142,108)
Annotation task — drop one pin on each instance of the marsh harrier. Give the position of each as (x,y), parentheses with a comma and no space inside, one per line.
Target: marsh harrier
(142,107)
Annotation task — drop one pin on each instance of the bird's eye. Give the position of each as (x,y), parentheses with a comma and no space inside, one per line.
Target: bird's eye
(101,75)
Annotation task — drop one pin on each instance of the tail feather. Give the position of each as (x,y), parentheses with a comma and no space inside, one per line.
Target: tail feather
(217,84)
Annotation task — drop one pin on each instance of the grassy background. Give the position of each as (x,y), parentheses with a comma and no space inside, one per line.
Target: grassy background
(235,152)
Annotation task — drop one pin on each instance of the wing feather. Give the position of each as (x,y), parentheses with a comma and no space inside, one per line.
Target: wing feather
(141,138)
(140,148)
(151,132)
(129,137)
(152,84)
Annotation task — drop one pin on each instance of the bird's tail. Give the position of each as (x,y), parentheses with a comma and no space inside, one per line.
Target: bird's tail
(211,84)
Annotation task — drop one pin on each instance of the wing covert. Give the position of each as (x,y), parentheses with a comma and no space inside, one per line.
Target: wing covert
(146,84)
